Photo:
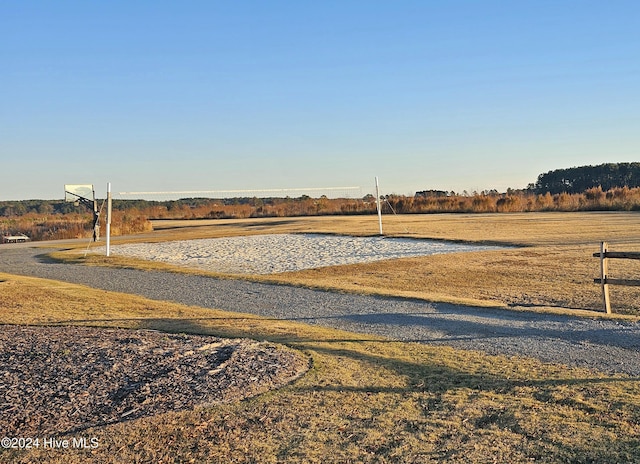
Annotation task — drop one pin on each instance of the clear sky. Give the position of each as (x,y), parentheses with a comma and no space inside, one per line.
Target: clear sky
(256,94)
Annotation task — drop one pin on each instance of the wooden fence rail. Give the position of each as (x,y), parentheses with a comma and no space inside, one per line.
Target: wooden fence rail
(604,280)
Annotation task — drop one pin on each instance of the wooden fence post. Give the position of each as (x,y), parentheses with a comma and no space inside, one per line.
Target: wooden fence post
(604,270)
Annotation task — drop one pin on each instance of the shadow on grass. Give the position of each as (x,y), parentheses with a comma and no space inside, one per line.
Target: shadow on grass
(198,326)
(481,325)
(430,380)
(435,377)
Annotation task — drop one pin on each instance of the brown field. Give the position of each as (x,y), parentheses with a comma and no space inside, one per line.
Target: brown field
(551,266)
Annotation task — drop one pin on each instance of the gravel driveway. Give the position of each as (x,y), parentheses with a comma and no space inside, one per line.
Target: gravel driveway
(605,345)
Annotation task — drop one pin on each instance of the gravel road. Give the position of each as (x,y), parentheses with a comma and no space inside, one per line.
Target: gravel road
(605,345)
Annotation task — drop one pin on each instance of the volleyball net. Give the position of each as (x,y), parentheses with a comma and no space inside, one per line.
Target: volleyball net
(312,192)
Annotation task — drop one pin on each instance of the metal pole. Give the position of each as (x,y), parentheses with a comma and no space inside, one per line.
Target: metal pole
(378,205)
(108,218)
(96,220)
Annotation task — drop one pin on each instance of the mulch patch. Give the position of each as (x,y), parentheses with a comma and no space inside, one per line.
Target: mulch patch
(59,380)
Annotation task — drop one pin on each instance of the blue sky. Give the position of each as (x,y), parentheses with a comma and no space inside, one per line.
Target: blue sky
(221,95)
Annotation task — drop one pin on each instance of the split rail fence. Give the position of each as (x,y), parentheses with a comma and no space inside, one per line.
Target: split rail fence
(604,280)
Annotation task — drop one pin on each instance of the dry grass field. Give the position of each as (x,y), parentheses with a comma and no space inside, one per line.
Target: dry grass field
(364,400)
(367,399)
(551,266)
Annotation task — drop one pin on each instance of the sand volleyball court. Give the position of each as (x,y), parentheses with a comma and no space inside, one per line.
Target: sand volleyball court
(274,253)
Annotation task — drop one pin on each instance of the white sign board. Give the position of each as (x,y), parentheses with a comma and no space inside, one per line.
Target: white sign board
(73,191)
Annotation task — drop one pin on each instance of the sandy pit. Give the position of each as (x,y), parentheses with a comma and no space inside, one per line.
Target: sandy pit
(274,253)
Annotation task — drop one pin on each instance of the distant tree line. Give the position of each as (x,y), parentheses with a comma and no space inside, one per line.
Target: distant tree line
(580,179)
(433,194)
(586,188)
(22,207)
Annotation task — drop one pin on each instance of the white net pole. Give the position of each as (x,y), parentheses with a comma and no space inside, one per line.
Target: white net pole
(109,219)
(378,205)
